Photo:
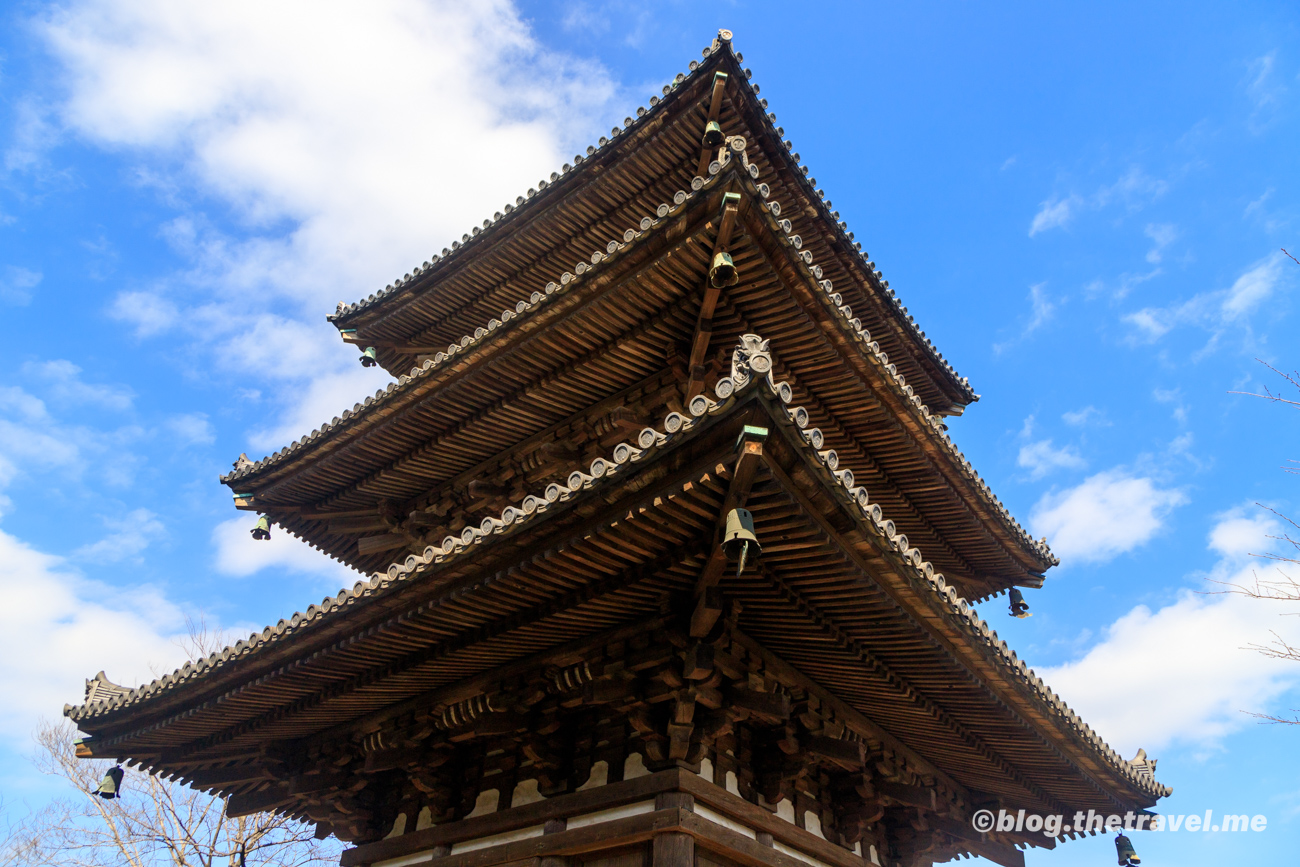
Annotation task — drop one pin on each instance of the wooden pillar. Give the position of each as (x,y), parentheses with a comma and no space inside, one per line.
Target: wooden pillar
(674,849)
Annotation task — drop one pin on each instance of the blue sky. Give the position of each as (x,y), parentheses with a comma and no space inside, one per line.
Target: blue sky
(1084,208)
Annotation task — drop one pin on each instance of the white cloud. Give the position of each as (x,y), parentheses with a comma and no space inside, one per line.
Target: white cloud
(1041,458)
(351,143)
(128,537)
(1133,190)
(148,312)
(63,384)
(192,428)
(1252,289)
(1042,308)
(28,437)
(1106,515)
(16,285)
(33,440)
(1264,91)
(1217,310)
(1161,235)
(80,627)
(320,401)
(239,555)
(1053,213)
(1088,415)
(1184,673)
(1173,396)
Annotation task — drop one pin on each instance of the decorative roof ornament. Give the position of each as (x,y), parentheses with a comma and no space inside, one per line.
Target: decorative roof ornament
(100,688)
(1144,766)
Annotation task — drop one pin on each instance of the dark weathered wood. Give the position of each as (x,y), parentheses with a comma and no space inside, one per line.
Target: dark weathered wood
(673,849)
(708,608)
(575,634)
(606,835)
(709,303)
(247,804)
(715,111)
(563,806)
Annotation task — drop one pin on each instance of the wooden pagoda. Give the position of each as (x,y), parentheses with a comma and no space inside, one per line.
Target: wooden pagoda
(557,660)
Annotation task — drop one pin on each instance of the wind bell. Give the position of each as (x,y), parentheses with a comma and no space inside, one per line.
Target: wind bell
(739,536)
(1124,849)
(111,786)
(262,530)
(723,272)
(1019,607)
(369,358)
(713,134)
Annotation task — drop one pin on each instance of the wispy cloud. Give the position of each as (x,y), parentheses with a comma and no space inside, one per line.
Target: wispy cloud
(1173,397)
(250,106)
(1133,191)
(1053,214)
(1197,675)
(1106,515)
(1265,90)
(1161,235)
(63,385)
(127,538)
(1042,458)
(1088,415)
(34,441)
(1041,310)
(191,428)
(16,285)
(1216,311)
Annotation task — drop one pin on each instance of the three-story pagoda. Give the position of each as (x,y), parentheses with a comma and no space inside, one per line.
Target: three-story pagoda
(671,556)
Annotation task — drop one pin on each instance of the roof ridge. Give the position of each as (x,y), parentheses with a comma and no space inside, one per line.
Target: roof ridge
(751,361)
(453,253)
(720,44)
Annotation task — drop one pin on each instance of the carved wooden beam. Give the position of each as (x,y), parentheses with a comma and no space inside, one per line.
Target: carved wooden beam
(715,111)
(704,327)
(708,606)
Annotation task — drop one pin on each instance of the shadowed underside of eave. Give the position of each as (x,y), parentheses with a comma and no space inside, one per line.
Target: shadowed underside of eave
(824,596)
(549,382)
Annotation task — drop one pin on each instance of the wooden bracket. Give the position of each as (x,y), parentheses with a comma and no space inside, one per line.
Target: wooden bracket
(715,110)
(708,602)
(709,304)
(350,337)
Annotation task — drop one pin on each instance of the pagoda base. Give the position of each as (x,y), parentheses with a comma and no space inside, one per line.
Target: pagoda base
(673,818)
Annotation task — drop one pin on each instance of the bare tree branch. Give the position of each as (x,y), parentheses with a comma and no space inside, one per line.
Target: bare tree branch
(155,823)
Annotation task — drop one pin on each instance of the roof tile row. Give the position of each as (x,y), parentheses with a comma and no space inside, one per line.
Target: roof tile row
(834,301)
(752,363)
(723,42)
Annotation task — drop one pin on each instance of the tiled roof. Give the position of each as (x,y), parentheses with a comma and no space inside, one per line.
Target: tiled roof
(751,371)
(548,191)
(840,313)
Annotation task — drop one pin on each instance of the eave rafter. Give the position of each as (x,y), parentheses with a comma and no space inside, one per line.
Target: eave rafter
(763,231)
(722,484)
